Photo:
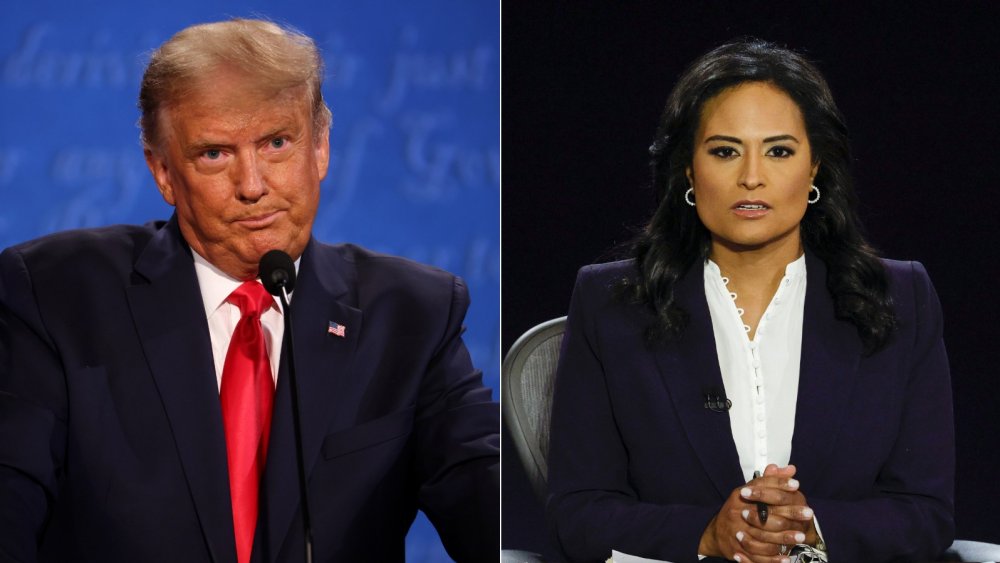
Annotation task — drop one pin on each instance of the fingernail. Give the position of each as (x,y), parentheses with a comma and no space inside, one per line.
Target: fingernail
(737,558)
(746,514)
(793,484)
(807,512)
(745,492)
(739,536)
(799,537)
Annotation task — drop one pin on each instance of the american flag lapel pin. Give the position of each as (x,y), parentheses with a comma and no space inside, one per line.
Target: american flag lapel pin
(336,329)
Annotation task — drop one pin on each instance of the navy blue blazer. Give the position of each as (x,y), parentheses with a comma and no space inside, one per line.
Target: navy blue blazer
(639,465)
(111,440)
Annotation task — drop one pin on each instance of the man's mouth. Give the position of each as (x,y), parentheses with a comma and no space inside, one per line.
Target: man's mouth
(260,220)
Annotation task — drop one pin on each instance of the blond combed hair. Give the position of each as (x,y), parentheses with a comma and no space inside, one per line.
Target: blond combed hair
(271,56)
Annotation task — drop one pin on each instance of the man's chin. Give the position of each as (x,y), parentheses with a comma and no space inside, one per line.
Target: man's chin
(261,247)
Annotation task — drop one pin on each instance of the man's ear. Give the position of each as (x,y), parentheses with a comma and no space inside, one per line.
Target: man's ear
(322,148)
(161,174)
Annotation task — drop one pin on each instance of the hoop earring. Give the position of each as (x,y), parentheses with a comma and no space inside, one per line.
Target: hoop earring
(687,197)
(810,199)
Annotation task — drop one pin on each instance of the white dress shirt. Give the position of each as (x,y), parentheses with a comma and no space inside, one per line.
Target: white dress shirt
(222,316)
(761,376)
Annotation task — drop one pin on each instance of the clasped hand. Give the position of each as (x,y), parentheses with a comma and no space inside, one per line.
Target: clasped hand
(737,532)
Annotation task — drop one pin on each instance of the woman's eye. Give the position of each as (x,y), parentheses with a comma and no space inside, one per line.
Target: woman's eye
(780,152)
(723,152)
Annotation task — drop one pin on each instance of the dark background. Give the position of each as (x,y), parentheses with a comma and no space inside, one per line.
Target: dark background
(583,86)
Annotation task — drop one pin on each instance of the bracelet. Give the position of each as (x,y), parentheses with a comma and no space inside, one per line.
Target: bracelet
(803,553)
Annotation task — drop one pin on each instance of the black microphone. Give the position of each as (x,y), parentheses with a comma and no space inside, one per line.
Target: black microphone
(715,399)
(277,273)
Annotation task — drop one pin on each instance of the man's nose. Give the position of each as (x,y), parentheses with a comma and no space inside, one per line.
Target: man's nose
(248,177)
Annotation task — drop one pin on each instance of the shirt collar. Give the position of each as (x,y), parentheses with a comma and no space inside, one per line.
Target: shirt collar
(794,268)
(216,285)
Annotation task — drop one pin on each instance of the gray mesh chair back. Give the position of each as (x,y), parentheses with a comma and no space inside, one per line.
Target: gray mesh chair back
(526,382)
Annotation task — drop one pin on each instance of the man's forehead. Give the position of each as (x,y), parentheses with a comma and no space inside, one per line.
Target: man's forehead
(229,110)
(235,89)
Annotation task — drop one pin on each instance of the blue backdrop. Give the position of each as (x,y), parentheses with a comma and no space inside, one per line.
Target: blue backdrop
(415,170)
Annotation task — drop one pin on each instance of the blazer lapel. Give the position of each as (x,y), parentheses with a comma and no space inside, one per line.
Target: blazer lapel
(167,310)
(689,367)
(831,351)
(323,370)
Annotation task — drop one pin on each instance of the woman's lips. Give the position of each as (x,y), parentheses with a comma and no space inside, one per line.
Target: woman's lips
(751,209)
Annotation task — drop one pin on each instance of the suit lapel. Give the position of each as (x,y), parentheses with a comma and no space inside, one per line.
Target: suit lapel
(166,306)
(831,351)
(689,367)
(323,370)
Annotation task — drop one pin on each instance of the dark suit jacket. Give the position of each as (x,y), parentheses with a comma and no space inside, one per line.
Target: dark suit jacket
(639,465)
(111,440)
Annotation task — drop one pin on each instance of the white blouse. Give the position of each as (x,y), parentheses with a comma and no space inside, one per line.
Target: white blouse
(761,376)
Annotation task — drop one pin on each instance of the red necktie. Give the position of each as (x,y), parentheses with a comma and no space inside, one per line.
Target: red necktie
(247,396)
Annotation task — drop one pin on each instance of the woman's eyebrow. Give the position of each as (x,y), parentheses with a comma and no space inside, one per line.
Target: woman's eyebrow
(781,138)
(724,138)
(737,141)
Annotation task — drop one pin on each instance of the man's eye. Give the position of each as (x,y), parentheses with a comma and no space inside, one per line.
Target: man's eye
(213,154)
(278,142)
(723,152)
(781,152)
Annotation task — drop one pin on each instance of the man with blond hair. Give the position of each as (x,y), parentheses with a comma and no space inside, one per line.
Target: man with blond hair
(145,406)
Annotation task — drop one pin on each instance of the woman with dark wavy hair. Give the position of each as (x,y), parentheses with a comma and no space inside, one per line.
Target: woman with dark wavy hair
(755,383)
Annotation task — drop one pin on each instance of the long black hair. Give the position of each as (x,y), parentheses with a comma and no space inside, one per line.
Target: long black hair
(674,240)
